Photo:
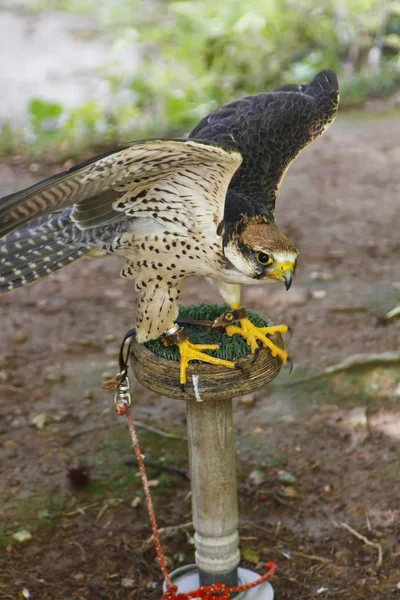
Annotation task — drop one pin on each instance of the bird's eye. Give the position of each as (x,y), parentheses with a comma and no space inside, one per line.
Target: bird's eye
(263,259)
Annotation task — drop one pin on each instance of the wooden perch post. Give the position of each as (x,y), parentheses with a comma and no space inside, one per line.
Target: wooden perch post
(208,394)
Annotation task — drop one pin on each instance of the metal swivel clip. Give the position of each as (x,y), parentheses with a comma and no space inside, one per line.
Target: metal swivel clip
(122,396)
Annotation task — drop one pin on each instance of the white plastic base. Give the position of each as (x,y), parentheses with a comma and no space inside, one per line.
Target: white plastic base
(187,580)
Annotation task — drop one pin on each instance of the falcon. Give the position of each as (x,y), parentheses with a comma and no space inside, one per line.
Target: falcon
(204,206)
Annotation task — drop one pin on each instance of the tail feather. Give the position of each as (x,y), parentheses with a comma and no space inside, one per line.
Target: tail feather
(16,250)
(19,277)
(38,254)
(33,252)
(43,226)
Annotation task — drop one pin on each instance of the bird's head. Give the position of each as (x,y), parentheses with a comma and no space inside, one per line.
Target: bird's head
(258,249)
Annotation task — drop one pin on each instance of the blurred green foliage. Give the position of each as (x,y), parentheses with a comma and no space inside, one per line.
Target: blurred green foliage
(197,54)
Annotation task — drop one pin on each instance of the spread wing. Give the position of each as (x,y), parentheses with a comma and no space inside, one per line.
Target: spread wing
(269,130)
(177,183)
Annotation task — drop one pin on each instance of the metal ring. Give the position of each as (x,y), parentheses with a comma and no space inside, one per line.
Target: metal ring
(171,330)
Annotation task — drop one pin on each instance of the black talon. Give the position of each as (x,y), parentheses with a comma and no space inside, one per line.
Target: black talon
(255,356)
(237,366)
(182,386)
(290,332)
(289,362)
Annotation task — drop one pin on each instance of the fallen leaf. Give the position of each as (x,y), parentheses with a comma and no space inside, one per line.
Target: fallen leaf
(251,555)
(289,490)
(286,478)
(39,420)
(22,536)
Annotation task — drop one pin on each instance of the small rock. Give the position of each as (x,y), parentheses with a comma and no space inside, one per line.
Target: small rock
(18,422)
(112,352)
(10,444)
(110,337)
(342,556)
(152,585)
(179,557)
(122,304)
(22,536)
(258,430)
(19,336)
(113,292)
(153,483)
(127,582)
(137,501)
(79,476)
(336,253)
(248,400)
(4,377)
(322,276)
(256,476)
(50,305)
(327,489)
(34,167)
(296,297)
(106,375)
(79,577)
(286,478)
(39,420)
(54,374)
(318,294)
(26,593)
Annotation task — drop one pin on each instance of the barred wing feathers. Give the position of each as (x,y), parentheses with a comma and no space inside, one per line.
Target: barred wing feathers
(100,189)
(179,184)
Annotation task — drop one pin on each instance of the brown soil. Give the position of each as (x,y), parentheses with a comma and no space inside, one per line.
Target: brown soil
(338,436)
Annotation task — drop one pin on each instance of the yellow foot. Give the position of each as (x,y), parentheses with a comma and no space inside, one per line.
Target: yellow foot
(189,351)
(253,335)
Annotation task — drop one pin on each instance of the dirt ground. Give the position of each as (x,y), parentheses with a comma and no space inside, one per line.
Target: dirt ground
(314,457)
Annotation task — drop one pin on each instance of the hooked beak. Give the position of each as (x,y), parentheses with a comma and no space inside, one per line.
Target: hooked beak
(287,278)
(284,272)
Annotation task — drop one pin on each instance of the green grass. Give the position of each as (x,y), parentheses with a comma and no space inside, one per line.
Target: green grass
(112,479)
(230,348)
(196,55)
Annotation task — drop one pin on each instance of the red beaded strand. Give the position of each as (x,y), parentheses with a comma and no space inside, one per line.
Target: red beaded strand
(217,591)
(149,503)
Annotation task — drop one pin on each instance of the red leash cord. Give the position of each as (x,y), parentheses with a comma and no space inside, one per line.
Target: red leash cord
(216,591)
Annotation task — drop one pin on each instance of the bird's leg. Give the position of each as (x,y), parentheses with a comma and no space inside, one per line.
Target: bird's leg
(253,334)
(189,351)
